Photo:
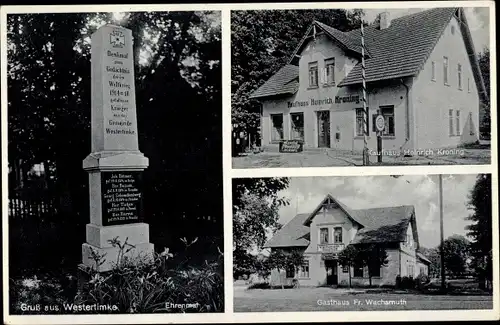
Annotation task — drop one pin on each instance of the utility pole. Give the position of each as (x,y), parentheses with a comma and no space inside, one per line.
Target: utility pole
(441,251)
(366,158)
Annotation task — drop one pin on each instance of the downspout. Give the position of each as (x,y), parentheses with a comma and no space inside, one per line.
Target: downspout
(407,110)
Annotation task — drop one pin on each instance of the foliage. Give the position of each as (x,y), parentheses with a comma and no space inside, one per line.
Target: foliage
(484,66)
(178,82)
(262,42)
(372,256)
(50,292)
(434,256)
(481,228)
(421,280)
(256,203)
(142,285)
(348,257)
(456,253)
(281,259)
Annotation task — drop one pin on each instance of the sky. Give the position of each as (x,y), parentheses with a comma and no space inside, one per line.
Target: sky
(361,192)
(477,18)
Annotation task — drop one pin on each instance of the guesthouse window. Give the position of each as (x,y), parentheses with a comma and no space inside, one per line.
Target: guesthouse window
(330,71)
(445,70)
(459,72)
(457,123)
(358,270)
(304,270)
(433,71)
(375,270)
(450,122)
(277,127)
(323,236)
(297,120)
(337,235)
(360,120)
(313,74)
(290,272)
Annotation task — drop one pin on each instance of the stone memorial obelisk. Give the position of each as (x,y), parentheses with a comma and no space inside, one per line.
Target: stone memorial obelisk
(115,164)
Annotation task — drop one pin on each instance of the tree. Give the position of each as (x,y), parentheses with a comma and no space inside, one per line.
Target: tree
(348,258)
(373,256)
(255,215)
(261,43)
(178,78)
(433,255)
(484,66)
(456,253)
(283,260)
(480,229)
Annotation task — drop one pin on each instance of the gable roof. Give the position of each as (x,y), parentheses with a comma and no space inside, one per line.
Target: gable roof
(350,214)
(388,224)
(285,81)
(377,225)
(400,50)
(292,234)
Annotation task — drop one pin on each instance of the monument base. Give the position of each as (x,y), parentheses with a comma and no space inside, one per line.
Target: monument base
(142,251)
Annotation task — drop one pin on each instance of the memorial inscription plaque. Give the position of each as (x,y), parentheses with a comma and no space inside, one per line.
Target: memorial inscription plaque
(121,198)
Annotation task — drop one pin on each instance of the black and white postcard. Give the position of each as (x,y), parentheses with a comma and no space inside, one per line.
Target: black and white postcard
(363,243)
(112,117)
(358,87)
(220,163)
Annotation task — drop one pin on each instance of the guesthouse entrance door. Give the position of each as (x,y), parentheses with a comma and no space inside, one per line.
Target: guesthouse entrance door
(323,129)
(331,272)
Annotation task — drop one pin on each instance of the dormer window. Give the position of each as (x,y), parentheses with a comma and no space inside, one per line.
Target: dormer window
(330,72)
(337,235)
(323,236)
(313,74)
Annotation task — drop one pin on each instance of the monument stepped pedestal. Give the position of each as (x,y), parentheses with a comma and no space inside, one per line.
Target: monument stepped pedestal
(115,164)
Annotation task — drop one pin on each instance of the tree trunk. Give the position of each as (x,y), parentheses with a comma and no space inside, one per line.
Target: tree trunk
(350,286)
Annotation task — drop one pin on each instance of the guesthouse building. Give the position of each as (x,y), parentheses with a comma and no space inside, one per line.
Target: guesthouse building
(422,74)
(325,232)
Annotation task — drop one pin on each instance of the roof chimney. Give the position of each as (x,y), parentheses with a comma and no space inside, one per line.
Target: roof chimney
(385,20)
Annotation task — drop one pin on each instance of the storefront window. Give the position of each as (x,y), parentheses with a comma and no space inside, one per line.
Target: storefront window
(330,71)
(297,126)
(360,118)
(313,74)
(323,236)
(337,232)
(388,113)
(277,127)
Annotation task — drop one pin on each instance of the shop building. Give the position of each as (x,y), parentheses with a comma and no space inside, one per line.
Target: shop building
(325,232)
(422,75)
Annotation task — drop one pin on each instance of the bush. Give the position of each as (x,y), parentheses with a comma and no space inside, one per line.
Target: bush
(407,283)
(47,293)
(144,286)
(259,285)
(398,281)
(421,281)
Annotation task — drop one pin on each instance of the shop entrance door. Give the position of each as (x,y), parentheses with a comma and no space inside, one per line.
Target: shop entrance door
(323,129)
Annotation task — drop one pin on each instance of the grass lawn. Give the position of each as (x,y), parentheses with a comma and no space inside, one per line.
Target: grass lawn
(328,299)
(331,157)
